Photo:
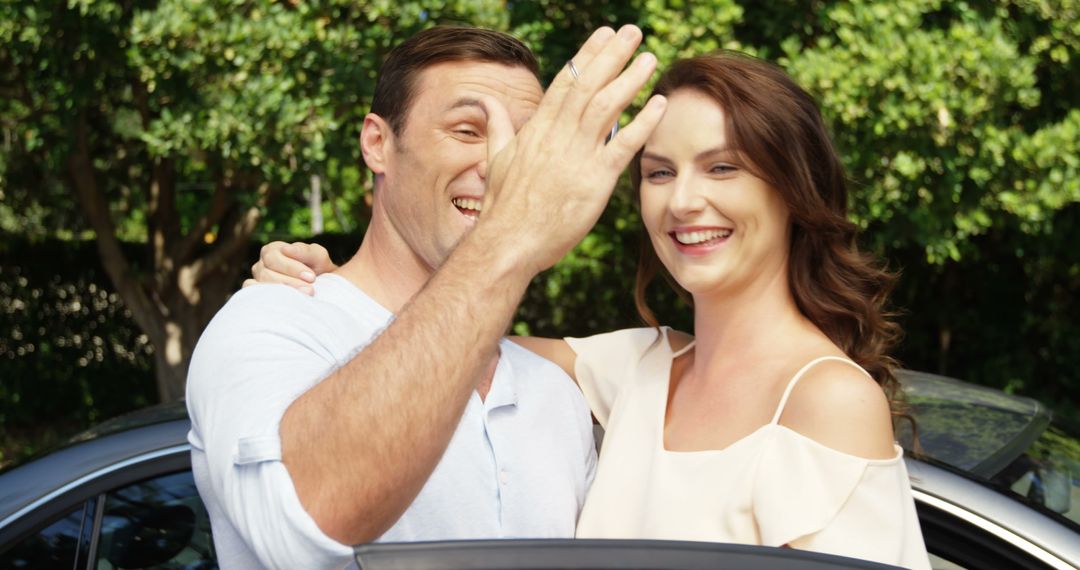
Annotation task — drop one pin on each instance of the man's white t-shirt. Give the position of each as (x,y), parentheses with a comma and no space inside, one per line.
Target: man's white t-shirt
(518,465)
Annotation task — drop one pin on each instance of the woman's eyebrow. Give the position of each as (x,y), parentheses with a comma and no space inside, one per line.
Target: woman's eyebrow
(722,149)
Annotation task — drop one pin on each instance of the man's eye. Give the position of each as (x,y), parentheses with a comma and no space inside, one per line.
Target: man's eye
(467,133)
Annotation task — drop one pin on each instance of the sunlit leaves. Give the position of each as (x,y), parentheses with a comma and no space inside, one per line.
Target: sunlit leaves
(931,103)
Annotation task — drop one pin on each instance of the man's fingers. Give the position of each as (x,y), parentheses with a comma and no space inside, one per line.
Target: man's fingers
(500,128)
(605,67)
(609,103)
(592,46)
(564,80)
(632,137)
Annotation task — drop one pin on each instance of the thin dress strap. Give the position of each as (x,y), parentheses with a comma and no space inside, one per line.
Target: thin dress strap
(799,375)
(682,350)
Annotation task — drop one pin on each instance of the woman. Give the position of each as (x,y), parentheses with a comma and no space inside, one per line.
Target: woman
(773,424)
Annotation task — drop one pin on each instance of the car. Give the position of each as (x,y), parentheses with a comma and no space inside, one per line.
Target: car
(996,486)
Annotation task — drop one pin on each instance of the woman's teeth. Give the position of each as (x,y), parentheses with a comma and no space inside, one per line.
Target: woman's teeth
(692,238)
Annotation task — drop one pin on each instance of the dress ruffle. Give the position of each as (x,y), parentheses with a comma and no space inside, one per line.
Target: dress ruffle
(801,486)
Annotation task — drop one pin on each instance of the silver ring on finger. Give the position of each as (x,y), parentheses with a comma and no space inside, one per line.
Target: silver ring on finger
(614,131)
(573,69)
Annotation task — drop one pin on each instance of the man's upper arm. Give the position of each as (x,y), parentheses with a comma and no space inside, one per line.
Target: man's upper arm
(251,363)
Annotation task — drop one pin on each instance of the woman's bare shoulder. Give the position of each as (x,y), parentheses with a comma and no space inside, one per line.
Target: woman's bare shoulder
(840,406)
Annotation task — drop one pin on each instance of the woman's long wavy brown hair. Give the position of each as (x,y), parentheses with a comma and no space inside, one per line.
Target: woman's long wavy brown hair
(778,130)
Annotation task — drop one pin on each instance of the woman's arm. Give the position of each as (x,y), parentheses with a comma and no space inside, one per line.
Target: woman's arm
(553,349)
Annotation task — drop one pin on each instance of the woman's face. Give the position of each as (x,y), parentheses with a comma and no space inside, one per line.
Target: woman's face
(715,226)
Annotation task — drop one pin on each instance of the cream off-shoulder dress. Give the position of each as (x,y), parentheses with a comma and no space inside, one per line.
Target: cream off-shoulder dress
(773,487)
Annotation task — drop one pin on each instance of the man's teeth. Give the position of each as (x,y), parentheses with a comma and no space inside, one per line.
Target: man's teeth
(691,238)
(468,204)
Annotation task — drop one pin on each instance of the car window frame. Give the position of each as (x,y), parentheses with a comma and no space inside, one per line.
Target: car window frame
(43,511)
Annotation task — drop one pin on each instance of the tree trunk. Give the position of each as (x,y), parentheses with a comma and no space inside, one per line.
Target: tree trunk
(171,377)
(194,298)
(189,282)
(315,203)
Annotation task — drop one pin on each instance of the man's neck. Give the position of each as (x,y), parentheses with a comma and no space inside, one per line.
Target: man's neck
(391,274)
(385,268)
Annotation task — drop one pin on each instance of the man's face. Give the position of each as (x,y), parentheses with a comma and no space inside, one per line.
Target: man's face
(434,172)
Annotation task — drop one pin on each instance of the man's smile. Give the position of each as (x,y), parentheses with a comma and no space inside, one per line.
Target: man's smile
(470,207)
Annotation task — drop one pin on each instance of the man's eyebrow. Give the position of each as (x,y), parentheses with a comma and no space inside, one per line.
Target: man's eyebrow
(468,102)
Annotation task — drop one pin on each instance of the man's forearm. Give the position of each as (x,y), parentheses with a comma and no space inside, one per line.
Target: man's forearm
(360,445)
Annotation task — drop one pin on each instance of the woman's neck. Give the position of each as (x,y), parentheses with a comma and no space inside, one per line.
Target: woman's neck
(754,323)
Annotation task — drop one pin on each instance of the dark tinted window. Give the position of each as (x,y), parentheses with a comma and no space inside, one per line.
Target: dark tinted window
(58,545)
(157,523)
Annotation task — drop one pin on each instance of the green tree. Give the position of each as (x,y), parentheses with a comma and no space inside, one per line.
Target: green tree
(187,125)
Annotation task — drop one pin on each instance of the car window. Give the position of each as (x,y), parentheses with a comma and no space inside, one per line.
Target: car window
(64,543)
(1004,439)
(973,428)
(157,523)
(1048,474)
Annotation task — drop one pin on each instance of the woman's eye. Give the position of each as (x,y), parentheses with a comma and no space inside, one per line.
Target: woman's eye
(722,169)
(659,174)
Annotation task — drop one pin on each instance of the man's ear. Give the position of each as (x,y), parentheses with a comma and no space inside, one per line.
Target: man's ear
(376,139)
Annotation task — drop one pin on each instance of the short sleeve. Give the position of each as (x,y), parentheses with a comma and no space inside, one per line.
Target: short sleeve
(606,361)
(815,498)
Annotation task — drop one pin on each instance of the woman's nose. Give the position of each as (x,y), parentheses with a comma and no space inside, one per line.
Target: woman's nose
(686,198)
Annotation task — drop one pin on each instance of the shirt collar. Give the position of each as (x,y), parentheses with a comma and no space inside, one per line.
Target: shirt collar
(504,385)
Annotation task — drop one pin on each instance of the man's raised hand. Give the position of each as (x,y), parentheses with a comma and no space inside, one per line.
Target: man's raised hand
(548,185)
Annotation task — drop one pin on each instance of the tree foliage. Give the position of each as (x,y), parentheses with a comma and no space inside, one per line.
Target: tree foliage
(190,127)
(187,124)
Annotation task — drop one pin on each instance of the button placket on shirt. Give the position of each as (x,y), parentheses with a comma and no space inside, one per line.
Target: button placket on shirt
(499,407)
(492,419)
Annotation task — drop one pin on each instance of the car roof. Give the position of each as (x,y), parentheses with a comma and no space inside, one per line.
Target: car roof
(110,444)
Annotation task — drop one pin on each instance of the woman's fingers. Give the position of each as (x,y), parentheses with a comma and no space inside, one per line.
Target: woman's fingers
(312,255)
(295,265)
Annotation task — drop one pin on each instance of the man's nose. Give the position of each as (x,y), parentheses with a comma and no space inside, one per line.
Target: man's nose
(481,169)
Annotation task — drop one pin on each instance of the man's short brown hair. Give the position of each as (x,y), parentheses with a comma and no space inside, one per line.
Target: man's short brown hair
(397,76)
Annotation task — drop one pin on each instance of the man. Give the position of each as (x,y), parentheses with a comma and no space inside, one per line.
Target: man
(385,406)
